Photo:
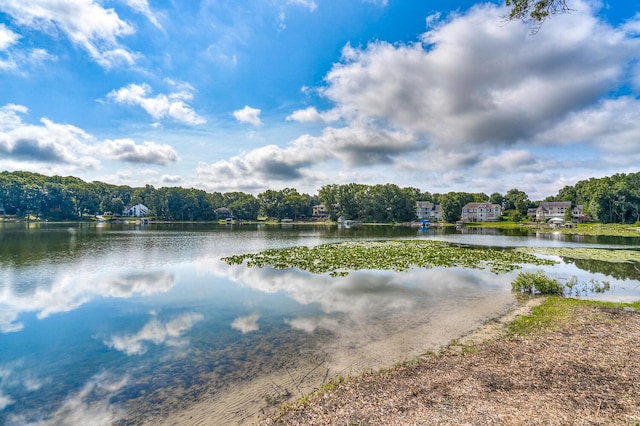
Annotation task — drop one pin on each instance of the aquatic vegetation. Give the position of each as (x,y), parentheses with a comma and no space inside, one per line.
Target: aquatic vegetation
(537,282)
(398,255)
(609,229)
(605,255)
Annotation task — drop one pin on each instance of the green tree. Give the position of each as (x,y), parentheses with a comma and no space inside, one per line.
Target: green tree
(496,198)
(244,206)
(535,12)
(452,204)
(517,200)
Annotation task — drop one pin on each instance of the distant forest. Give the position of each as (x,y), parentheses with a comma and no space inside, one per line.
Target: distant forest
(614,199)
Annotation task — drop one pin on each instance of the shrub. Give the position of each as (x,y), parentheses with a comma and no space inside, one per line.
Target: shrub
(537,282)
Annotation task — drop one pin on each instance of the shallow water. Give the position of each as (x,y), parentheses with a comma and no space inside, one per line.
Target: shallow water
(124,323)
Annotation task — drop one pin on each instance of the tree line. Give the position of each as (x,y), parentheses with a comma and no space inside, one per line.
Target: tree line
(33,195)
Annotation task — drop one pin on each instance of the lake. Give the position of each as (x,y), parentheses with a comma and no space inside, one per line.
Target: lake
(130,324)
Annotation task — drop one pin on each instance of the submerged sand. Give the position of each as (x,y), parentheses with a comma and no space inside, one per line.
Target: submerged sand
(258,394)
(587,372)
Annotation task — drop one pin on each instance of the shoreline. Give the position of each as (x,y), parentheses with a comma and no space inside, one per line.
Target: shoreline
(580,365)
(247,402)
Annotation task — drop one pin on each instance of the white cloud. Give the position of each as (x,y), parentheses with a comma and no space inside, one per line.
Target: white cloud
(248,115)
(382,3)
(155,332)
(613,125)
(161,106)
(7,37)
(64,148)
(85,22)
(48,142)
(142,6)
(475,81)
(148,153)
(246,324)
(16,61)
(311,115)
(309,4)
(174,179)
(357,146)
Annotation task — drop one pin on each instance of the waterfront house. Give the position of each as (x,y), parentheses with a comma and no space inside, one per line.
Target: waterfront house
(481,212)
(139,210)
(555,210)
(428,210)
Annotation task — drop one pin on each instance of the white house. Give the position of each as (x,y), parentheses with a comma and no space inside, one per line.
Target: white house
(555,209)
(428,210)
(481,212)
(139,210)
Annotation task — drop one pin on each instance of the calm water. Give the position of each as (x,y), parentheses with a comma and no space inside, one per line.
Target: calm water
(123,323)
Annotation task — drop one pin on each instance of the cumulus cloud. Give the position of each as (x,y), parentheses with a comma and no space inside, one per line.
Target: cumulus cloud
(48,142)
(248,115)
(85,22)
(611,124)
(171,179)
(148,153)
(67,147)
(246,324)
(155,332)
(172,106)
(311,115)
(482,96)
(357,146)
(475,82)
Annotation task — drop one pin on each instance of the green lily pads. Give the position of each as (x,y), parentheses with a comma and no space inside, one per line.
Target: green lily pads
(398,255)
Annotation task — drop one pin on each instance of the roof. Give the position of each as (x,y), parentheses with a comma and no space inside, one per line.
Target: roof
(478,205)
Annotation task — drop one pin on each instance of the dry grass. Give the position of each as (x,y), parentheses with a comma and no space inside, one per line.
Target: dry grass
(586,371)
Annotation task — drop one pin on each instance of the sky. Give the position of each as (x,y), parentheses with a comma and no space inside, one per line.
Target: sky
(250,95)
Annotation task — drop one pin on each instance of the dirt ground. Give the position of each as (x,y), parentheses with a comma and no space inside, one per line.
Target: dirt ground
(586,372)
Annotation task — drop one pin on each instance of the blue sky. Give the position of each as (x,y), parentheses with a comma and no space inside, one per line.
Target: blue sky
(250,95)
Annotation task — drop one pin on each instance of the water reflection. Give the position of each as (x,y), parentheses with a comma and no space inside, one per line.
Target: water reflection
(68,290)
(618,270)
(121,324)
(157,332)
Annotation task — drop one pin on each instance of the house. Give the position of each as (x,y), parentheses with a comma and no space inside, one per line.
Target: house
(428,210)
(555,210)
(139,210)
(223,213)
(321,211)
(481,212)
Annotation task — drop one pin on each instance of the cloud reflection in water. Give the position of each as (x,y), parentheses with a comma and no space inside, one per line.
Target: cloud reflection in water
(156,332)
(246,324)
(70,291)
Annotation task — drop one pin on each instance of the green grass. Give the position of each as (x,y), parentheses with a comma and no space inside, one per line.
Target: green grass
(554,313)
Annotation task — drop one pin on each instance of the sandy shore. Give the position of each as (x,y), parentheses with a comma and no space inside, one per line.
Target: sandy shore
(247,401)
(586,371)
